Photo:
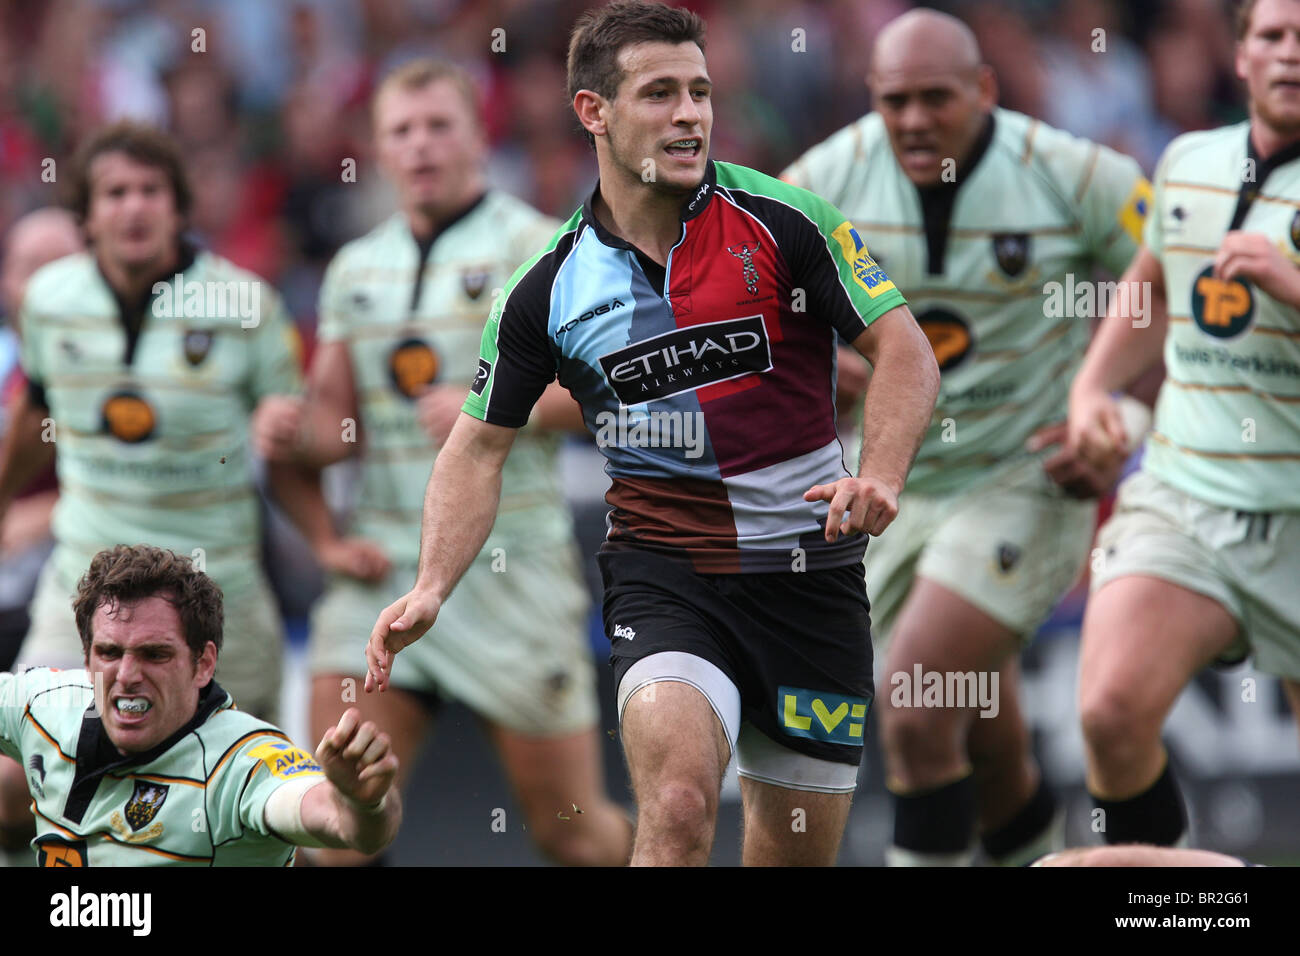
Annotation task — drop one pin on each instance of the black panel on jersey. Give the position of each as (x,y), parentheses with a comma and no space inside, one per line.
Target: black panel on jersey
(1250,188)
(522,343)
(937,202)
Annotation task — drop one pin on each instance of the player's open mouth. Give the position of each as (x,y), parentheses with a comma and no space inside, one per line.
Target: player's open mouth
(684,148)
(132,706)
(1287,84)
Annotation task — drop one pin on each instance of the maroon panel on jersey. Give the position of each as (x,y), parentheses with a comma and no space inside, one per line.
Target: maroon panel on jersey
(749,418)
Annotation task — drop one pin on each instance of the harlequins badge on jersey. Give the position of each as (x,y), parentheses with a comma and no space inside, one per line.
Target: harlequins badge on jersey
(145,803)
(474,281)
(1012,252)
(745,253)
(196,344)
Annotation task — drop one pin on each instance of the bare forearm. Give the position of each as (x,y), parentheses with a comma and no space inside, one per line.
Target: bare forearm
(1126,347)
(24,453)
(460,506)
(297,491)
(367,831)
(330,819)
(327,437)
(899,405)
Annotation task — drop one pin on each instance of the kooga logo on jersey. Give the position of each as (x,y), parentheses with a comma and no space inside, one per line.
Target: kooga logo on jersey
(689,358)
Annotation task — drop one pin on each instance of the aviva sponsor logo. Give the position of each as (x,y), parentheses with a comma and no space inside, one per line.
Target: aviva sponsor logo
(285,760)
(834,718)
(865,270)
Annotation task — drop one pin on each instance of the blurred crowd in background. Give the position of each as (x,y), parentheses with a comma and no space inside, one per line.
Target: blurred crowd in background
(269,99)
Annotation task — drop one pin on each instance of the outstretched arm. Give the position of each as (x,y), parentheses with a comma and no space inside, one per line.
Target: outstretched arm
(460,505)
(356,805)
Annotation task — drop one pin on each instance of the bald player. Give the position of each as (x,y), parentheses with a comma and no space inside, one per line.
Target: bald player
(1202,555)
(35,239)
(976,212)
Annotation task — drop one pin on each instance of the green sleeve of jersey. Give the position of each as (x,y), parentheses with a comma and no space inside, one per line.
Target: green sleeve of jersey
(276,351)
(331,308)
(870,292)
(257,766)
(1113,205)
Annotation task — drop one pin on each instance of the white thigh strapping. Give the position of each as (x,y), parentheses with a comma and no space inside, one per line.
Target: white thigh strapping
(705,677)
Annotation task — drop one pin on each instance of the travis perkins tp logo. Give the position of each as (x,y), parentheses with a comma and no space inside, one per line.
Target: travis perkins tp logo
(745,253)
(686,359)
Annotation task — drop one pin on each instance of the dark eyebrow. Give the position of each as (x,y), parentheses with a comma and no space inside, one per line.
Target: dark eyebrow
(672,81)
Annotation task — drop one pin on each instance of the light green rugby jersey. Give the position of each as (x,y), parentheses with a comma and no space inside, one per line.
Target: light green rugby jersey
(1039,205)
(366,302)
(198,799)
(1227,423)
(155,450)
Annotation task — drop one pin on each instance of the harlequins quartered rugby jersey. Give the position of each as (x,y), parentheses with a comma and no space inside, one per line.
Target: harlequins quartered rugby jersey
(1227,423)
(197,799)
(998,266)
(709,382)
(412,316)
(149,408)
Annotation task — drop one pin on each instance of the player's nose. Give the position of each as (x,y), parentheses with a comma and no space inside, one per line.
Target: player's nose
(688,111)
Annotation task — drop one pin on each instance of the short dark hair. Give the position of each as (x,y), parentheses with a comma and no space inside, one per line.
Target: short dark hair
(1243,13)
(145,145)
(600,34)
(126,574)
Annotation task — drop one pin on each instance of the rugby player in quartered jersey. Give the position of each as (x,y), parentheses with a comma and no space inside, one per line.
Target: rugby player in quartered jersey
(141,759)
(402,311)
(978,213)
(693,308)
(1201,558)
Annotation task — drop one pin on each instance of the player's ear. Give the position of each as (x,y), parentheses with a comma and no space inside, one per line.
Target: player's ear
(206,665)
(988,85)
(590,109)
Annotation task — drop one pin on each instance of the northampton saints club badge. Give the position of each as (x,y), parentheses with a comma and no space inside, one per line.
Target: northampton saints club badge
(1012,252)
(1295,229)
(196,344)
(145,803)
(474,282)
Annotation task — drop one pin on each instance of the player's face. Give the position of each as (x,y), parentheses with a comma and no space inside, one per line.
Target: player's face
(429,144)
(151,680)
(1268,59)
(132,219)
(931,117)
(662,113)
(28,253)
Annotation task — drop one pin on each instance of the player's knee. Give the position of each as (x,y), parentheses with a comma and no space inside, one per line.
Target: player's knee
(1115,723)
(679,807)
(918,735)
(568,843)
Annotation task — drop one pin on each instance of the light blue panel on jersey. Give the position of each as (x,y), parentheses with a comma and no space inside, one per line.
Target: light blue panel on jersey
(600,305)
